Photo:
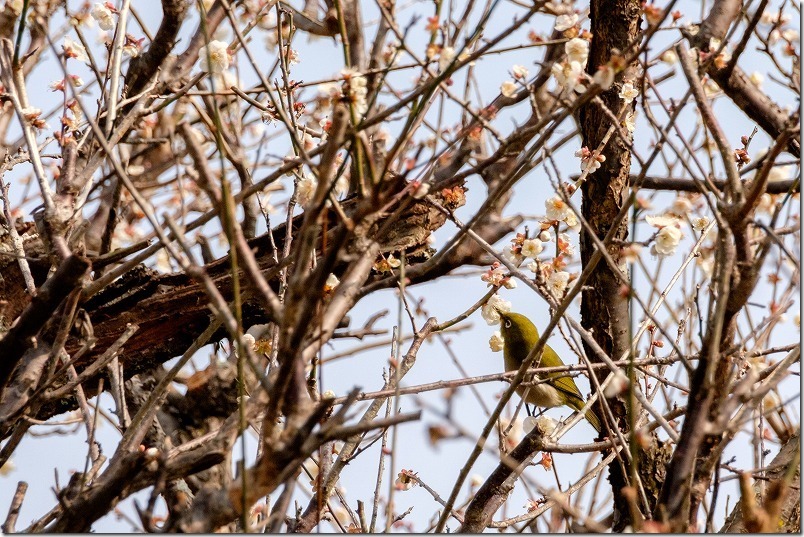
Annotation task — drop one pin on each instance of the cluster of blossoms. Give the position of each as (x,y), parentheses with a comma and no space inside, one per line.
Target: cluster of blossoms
(669,234)
(72,121)
(778,31)
(590,160)
(567,21)
(570,73)
(352,89)
(355,90)
(522,248)
(551,273)
(557,211)
(490,311)
(445,54)
(61,85)
(510,87)
(497,276)
(33,117)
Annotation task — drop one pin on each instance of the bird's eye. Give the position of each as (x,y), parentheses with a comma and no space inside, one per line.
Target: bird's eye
(508,323)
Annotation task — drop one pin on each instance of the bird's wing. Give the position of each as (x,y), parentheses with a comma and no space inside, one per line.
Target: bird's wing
(566,385)
(561,381)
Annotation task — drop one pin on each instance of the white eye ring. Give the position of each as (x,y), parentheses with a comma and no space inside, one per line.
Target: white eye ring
(508,323)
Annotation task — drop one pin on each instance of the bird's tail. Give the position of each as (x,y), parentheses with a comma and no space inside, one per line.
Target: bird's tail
(590,416)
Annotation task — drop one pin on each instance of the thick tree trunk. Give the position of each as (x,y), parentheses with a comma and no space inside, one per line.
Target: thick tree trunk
(604,307)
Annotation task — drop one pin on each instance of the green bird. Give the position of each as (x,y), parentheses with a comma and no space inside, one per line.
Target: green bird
(520,336)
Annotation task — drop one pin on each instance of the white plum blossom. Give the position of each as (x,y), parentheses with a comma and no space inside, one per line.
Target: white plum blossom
(545,235)
(669,57)
(681,206)
(249,340)
(214,57)
(577,50)
(7,467)
(706,264)
(445,57)
(31,114)
(790,35)
(780,173)
(667,241)
(33,117)
(556,209)
(604,77)
(566,21)
(60,85)
(332,282)
(757,79)
(293,56)
(225,80)
(508,88)
(544,424)
(557,283)
(531,248)
(572,222)
(630,253)
(700,223)
(519,71)
(568,74)
(618,384)
(773,17)
(73,49)
(355,86)
(103,15)
(565,244)
(131,48)
(661,221)
(394,262)
(514,430)
(496,342)
(495,276)
(420,190)
(628,92)
(492,308)
(305,189)
(630,121)
(404,480)
(513,257)
(714,44)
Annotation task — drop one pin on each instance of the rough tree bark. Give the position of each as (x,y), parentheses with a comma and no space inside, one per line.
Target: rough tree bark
(615,27)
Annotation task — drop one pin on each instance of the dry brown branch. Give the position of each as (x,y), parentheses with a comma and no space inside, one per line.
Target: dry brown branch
(209,206)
